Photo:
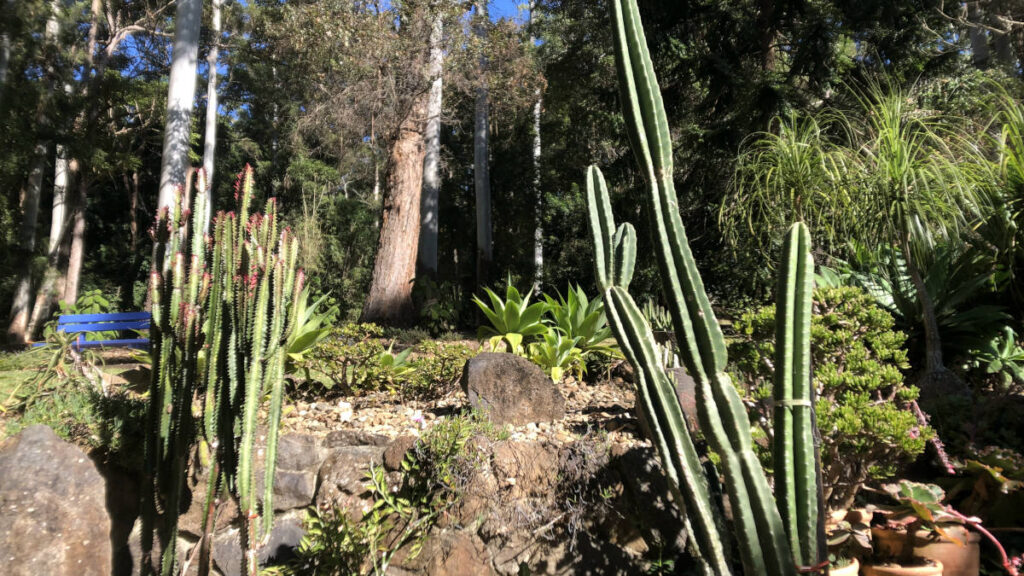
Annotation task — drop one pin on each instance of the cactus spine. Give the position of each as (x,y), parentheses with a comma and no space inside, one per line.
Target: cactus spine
(218,344)
(761,534)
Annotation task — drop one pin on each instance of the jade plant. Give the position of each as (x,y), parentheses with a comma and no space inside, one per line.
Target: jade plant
(775,536)
(224,307)
(867,426)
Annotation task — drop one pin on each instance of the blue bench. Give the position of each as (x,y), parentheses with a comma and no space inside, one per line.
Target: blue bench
(83,323)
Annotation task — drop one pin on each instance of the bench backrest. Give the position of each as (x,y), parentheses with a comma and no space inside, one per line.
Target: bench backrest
(73,323)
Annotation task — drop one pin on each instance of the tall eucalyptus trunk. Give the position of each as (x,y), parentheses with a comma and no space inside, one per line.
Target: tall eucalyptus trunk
(76,257)
(5,46)
(427,259)
(17,330)
(481,169)
(181,91)
(389,300)
(538,195)
(53,281)
(210,138)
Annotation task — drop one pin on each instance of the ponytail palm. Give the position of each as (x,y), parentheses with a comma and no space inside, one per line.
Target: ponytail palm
(896,175)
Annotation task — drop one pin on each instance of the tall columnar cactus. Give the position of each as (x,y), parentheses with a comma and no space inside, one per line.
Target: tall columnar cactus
(220,329)
(757,523)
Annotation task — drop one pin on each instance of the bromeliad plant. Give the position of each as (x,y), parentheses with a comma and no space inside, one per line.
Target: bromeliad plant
(512,319)
(774,537)
(224,310)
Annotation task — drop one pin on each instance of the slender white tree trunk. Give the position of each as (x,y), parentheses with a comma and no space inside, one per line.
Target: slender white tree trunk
(17,330)
(431,161)
(481,169)
(538,197)
(181,91)
(49,289)
(5,47)
(210,143)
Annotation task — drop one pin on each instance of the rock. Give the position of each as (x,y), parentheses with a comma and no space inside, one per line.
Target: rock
(298,452)
(453,554)
(342,478)
(686,392)
(396,451)
(530,467)
(354,438)
(293,489)
(284,538)
(511,390)
(53,516)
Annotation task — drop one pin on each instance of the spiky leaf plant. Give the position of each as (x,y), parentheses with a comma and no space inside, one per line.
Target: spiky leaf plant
(223,310)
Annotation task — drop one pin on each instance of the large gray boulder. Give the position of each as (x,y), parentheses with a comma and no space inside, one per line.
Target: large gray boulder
(53,515)
(511,390)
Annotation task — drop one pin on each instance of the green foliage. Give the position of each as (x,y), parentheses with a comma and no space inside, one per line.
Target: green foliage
(312,325)
(1001,359)
(557,354)
(577,317)
(89,302)
(434,473)
(867,428)
(355,359)
(512,319)
(439,305)
(958,280)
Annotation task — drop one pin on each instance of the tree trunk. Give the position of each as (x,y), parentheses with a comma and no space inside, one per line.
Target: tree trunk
(77,254)
(538,196)
(210,142)
(5,47)
(481,169)
(427,261)
(389,300)
(128,286)
(53,283)
(20,306)
(979,40)
(181,91)
(17,332)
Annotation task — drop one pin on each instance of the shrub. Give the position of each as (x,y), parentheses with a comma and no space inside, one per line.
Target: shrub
(866,426)
(357,359)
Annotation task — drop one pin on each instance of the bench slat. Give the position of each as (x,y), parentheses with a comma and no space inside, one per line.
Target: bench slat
(112,317)
(103,326)
(140,343)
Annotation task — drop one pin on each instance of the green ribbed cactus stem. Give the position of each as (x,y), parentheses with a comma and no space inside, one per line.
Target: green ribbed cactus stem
(615,251)
(794,451)
(761,534)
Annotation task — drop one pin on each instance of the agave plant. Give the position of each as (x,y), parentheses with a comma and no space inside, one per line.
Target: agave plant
(557,353)
(512,319)
(578,317)
(312,325)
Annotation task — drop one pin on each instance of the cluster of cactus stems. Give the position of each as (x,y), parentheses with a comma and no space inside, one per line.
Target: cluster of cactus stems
(774,537)
(223,307)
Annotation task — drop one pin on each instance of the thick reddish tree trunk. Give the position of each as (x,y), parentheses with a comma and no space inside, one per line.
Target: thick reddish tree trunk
(390,297)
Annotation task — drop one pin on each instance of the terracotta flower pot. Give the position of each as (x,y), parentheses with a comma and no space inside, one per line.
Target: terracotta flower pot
(961,558)
(933,569)
(851,569)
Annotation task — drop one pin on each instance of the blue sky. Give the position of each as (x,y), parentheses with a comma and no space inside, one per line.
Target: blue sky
(506,8)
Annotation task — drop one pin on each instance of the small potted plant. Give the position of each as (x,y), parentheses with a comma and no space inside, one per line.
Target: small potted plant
(922,525)
(849,540)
